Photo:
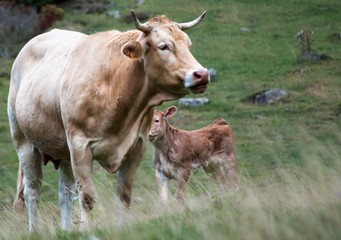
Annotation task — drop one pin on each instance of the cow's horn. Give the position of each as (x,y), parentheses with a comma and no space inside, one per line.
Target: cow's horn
(140,26)
(188,25)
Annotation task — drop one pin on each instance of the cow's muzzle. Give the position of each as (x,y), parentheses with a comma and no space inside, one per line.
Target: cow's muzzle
(197,81)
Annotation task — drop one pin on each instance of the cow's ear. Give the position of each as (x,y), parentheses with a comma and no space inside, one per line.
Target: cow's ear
(170,112)
(132,50)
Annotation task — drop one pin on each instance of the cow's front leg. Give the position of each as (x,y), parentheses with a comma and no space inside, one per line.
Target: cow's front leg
(182,182)
(66,192)
(126,175)
(81,161)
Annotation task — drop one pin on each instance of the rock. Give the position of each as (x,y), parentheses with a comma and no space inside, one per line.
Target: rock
(140,2)
(212,72)
(4,52)
(269,96)
(114,14)
(244,30)
(308,56)
(194,102)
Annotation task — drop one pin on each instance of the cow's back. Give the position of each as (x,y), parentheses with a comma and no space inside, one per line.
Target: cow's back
(36,78)
(41,54)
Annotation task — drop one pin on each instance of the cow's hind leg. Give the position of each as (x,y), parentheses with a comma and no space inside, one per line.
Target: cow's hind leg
(67,191)
(18,137)
(29,174)
(31,165)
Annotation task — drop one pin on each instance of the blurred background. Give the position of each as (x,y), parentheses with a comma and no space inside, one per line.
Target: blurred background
(275,77)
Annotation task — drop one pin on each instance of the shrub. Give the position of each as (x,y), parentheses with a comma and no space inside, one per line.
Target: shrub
(37,3)
(18,23)
(49,14)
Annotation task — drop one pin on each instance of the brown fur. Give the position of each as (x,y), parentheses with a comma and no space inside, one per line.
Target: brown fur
(177,152)
(75,98)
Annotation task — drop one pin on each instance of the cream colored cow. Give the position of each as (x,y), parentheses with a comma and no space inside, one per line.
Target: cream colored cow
(75,98)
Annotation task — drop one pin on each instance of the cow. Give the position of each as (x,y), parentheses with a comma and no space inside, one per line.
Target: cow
(76,98)
(177,152)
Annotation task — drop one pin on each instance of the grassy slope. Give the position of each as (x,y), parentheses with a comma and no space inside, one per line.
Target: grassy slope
(288,153)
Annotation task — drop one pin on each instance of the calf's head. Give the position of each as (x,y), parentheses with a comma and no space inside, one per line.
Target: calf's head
(160,125)
(164,48)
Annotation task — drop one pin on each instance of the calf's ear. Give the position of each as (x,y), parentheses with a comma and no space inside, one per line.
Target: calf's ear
(132,50)
(170,112)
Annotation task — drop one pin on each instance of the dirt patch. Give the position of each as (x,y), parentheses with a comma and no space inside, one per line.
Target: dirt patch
(319,90)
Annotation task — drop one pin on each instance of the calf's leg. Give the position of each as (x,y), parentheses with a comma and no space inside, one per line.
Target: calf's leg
(162,183)
(182,182)
(230,170)
(224,171)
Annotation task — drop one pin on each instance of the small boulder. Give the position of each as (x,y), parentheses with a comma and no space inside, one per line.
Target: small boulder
(115,14)
(269,96)
(244,30)
(194,102)
(212,72)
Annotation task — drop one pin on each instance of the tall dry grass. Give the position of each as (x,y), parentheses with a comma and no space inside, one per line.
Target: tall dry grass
(287,203)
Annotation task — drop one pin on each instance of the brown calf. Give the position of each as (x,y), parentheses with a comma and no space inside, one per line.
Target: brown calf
(177,152)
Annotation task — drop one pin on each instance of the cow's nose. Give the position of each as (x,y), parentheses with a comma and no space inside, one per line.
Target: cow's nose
(201,76)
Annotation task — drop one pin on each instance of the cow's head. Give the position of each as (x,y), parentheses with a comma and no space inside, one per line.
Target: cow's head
(160,124)
(164,48)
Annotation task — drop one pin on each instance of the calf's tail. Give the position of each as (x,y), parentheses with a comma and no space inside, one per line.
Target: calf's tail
(220,121)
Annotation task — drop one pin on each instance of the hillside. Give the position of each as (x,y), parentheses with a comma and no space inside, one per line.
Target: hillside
(288,153)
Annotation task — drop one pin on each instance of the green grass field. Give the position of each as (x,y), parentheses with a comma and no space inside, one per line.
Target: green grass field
(288,153)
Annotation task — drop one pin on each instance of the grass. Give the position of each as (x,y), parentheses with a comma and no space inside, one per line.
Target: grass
(288,153)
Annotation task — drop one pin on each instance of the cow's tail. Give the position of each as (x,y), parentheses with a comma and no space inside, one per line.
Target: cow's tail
(19,201)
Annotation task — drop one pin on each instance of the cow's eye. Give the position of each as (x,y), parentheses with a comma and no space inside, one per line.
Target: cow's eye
(163,47)
(156,120)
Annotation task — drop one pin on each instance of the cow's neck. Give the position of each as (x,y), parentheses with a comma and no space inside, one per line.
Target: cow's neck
(144,95)
(128,98)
